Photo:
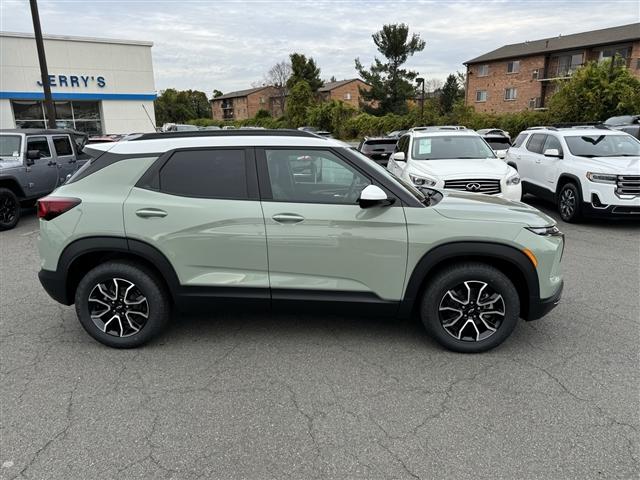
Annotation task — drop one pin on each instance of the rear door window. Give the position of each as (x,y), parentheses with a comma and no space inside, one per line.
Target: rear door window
(206,174)
(520,140)
(536,142)
(62,146)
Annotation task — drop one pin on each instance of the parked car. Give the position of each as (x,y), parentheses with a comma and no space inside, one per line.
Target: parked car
(627,123)
(453,159)
(378,149)
(178,127)
(308,129)
(396,133)
(210,127)
(497,140)
(228,127)
(186,222)
(33,162)
(584,171)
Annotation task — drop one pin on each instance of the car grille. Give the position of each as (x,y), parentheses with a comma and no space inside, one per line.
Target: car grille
(628,185)
(488,186)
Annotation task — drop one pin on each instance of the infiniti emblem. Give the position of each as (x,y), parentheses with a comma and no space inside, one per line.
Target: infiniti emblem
(473,187)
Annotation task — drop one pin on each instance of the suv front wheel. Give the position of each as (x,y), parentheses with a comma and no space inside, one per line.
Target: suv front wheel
(569,202)
(9,209)
(122,304)
(470,307)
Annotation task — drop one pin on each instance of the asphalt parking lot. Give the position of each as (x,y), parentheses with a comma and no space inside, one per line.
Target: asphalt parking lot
(257,397)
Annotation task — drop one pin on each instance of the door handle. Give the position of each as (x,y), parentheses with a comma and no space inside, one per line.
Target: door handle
(537,160)
(52,163)
(287,218)
(151,212)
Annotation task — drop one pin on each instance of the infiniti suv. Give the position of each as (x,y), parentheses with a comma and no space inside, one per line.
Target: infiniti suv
(269,218)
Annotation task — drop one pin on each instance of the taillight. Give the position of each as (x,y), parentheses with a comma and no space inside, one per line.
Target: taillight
(50,207)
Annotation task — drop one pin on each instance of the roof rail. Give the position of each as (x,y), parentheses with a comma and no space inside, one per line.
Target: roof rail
(438,127)
(227,133)
(542,127)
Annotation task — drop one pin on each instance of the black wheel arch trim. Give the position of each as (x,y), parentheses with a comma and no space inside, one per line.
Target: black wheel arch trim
(13,184)
(450,252)
(570,176)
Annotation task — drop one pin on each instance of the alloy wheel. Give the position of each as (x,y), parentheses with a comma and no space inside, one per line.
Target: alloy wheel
(8,207)
(567,203)
(471,311)
(118,307)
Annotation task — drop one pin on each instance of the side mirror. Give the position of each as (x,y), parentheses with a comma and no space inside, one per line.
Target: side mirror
(552,152)
(399,157)
(373,195)
(32,156)
(501,154)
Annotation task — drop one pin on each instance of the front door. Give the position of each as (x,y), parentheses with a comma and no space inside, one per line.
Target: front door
(529,166)
(321,244)
(42,176)
(201,209)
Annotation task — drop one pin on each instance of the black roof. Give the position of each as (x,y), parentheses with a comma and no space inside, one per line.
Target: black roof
(605,36)
(228,133)
(41,131)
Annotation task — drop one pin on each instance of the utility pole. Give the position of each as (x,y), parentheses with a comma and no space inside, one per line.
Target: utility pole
(44,73)
(420,81)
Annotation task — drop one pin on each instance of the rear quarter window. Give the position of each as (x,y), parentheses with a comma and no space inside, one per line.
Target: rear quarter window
(519,140)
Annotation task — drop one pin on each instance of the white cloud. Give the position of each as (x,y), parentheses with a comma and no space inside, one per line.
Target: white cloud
(228,45)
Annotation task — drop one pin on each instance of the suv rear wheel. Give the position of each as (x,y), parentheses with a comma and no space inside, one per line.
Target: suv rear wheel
(470,307)
(569,202)
(122,304)
(9,209)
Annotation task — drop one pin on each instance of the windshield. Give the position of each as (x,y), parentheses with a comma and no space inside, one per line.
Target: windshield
(498,143)
(603,146)
(450,147)
(622,120)
(10,147)
(407,186)
(379,145)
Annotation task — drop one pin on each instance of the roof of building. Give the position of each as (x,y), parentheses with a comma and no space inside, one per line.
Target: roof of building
(240,93)
(328,86)
(619,34)
(70,38)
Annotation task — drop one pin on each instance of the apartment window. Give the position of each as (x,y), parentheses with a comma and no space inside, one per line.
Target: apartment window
(483,70)
(513,66)
(347,96)
(610,52)
(263,100)
(481,96)
(510,93)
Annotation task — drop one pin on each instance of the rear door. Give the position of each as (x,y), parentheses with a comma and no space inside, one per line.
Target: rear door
(321,244)
(65,157)
(41,176)
(200,208)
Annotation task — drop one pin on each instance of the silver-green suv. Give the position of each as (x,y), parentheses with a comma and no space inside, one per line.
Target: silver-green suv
(272,218)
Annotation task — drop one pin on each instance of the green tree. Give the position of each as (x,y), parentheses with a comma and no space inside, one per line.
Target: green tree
(300,100)
(331,116)
(595,92)
(174,106)
(449,94)
(391,85)
(216,93)
(303,68)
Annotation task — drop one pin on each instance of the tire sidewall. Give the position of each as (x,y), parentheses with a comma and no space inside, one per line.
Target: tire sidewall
(6,193)
(448,279)
(148,286)
(576,192)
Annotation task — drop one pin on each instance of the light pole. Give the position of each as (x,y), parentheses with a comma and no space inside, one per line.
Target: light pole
(44,73)
(420,81)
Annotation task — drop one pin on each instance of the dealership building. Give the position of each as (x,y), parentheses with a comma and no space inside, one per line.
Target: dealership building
(99,86)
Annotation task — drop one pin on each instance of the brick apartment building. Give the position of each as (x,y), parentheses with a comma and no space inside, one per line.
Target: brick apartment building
(523,76)
(245,104)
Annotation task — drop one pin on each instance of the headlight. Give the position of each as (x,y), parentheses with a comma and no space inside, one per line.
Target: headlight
(422,181)
(551,231)
(513,180)
(602,177)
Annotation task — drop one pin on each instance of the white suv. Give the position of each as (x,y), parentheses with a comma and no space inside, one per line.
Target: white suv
(585,171)
(453,159)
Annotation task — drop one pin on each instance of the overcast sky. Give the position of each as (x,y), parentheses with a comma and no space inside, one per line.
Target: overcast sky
(228,45)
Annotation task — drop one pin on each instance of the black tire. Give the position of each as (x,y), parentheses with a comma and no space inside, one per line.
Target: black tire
(436,296)
(9,209)
(570,203)
(146,285)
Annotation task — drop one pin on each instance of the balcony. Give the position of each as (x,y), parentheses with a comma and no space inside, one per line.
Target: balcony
(555,73)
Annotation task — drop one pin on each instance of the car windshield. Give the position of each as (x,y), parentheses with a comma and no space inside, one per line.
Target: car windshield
(10,147)
(621,120)
(603,146)
(450,147)
(383,171)
(385,145)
